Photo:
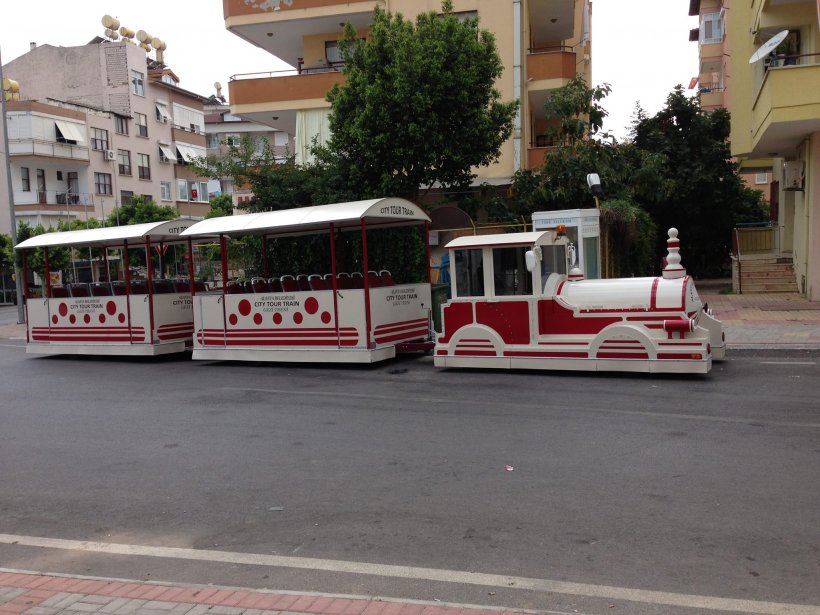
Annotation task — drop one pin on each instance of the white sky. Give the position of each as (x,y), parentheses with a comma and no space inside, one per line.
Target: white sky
(640,47)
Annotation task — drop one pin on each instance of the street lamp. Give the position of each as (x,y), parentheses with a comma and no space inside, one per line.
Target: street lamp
(594,183)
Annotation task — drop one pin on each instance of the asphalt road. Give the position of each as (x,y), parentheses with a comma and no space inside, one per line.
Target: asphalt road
(577,490)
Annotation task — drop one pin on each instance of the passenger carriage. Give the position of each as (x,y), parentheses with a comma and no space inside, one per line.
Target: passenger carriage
(128,316)
(329,315)
(515,305)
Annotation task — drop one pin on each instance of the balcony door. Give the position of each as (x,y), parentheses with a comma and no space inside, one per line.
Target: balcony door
(42,197)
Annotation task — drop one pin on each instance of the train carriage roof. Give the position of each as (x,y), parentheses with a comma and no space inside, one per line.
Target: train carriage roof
(112,236)
(500,239)
(386,212)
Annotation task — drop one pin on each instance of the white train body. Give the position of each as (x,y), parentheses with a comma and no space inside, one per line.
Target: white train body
(518,308)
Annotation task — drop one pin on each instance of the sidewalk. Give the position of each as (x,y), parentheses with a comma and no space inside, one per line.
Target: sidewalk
(37,594)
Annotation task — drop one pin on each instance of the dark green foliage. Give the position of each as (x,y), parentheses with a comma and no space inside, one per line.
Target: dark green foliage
(419,105)
(706,197)
(139,211)
(221,205)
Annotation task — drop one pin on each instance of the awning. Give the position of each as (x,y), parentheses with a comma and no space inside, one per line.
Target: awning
(189,152)
(70,132)
(162,109)
(167,152)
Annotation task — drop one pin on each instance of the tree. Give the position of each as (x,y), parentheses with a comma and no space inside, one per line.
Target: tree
(627,173)
(705,196)
(139,211)
(221,205)
(419,106)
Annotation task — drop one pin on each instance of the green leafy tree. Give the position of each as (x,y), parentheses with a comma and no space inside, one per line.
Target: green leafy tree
(627,173)
(704,196)
(419,105)
(139,211)
(221,205)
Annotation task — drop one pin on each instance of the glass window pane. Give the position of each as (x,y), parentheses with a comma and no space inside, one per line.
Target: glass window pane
(510,275)
(469,273)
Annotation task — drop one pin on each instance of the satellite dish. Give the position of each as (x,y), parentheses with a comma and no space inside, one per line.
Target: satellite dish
(126,32)
(111,23)
(143,36)
(158,43)
(769,46)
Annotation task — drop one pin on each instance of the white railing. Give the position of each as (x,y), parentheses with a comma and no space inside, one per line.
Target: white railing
(37,147)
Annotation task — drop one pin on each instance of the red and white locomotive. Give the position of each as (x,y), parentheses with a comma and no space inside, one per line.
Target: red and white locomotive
(514,305)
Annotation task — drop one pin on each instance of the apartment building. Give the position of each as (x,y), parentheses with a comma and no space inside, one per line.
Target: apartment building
(223,128)
(543,44)
(775,106)
(96,125)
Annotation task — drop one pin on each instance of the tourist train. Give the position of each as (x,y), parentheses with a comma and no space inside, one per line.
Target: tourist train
(515,300)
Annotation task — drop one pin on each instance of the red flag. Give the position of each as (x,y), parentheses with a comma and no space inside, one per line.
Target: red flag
(694,81)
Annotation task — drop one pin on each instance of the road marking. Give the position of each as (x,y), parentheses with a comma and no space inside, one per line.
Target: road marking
(438,401)
(605,592)
(788,362)
(12,345)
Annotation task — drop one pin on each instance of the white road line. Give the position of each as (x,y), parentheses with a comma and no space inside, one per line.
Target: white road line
(440,401)
(605,592)
(788,362)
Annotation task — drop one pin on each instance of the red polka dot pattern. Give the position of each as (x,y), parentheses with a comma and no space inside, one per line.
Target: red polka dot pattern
(63,309)
(244,307)
(277,318)
(311,305)
(297,318)
(257,318)
(233,319)
(326,317)
(111,308)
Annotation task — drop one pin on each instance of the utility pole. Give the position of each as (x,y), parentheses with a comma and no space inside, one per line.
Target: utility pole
(18,280)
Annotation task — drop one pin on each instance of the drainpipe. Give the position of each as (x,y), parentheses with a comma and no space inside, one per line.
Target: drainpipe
(517,83)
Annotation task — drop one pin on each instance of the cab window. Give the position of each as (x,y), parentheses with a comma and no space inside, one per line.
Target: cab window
(469,273)
(510,275)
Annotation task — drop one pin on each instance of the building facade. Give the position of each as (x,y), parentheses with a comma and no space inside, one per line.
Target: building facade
(223,128)
(95,126)
(775,106)
(542,43)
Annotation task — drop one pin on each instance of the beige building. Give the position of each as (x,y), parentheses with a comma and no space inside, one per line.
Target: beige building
(222,128)
(542,43)
(775,106)
(96,125)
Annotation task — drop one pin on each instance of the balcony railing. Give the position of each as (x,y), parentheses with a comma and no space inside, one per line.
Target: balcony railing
(52,149)
(755,238)
(54,197)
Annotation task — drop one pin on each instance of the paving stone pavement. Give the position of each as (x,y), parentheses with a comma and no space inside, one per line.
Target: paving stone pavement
(31,593)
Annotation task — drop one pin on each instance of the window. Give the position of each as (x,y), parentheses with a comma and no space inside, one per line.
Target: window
(144,166)
(141,122)
(182,189)
(166,154)
(510,275)
(711,28)
(332,54)
(762,177)
(203,192)
(126,196)
(194,127)
(99,138)
(162,112)
(463,16)
(165,191)
(232,139)
(212,140)
(137,83)
(25,180)
(124,159)
(121,125)
(102,183)
(469,273)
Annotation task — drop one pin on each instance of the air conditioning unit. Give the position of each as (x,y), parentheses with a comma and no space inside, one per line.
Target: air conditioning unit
(109,154)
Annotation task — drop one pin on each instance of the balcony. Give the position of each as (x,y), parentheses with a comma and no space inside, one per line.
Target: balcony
(711,95)
(272,99)
(787,106)
(553,20)
(52,200)
(281,27)
(551,64)
(48,149)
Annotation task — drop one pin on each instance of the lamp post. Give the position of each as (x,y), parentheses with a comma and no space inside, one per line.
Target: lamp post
(594,183)
(18,280)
